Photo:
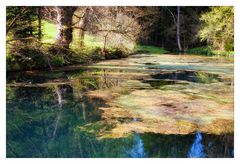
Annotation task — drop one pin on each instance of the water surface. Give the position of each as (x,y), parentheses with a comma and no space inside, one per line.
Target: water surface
(52,114)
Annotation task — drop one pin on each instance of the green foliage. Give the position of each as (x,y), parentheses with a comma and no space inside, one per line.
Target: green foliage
(203,77)
(26,58)
(115,53)
(21,21)
(218,28)
(206,51)
(90,42)
(201,51)
(57,60)
(149,49)
(96,54)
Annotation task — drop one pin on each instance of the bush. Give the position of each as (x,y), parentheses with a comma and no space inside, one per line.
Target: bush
(26,58)
(115,54)
(201,51)
(61,56)
(218,28)
(57,61)
(29,57)
(96,54)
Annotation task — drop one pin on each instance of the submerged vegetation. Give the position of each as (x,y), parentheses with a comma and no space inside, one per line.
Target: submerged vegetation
(170,102)
(101,106)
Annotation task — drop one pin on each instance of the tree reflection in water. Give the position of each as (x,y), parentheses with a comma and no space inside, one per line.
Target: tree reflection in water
(137,150)
(46,121)
(197,149)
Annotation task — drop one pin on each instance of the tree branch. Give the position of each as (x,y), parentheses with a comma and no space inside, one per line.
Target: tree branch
(15,19)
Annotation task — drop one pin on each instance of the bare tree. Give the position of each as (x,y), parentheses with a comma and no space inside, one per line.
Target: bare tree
(122,24)
(82,25)
(177,24)
(178,29)
(116,26)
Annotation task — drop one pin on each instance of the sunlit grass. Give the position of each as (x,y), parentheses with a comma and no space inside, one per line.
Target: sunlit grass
(90,42)
(209,52)
(49,32)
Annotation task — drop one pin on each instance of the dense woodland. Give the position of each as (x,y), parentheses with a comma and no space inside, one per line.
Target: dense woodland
(48,37)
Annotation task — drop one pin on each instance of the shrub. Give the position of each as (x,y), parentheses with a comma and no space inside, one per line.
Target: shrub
(26,58)
(96,54)
(57,60)
(115,53)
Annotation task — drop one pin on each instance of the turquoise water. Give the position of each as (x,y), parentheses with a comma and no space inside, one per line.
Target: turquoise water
(46,120)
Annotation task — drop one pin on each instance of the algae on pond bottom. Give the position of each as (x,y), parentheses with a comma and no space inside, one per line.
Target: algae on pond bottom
(193,101)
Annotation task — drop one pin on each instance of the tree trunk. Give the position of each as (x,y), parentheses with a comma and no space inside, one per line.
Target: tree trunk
(81,38)
(82,26)
(178,29)
(64,18)
(105,42)
(39,10)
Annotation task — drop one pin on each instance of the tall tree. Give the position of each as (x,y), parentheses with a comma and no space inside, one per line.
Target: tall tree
(39,11)
(218,28)
(178,29)
(82,25)
(177,24)
(21,21)
(167,31)
(64,19)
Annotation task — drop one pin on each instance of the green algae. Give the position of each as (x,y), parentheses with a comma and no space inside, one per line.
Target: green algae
(142,94)
(177,106)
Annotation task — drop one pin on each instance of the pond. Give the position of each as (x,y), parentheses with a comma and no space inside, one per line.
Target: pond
(159,106)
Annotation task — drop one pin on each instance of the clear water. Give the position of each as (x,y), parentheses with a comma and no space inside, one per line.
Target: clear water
(45,113)
(46,121)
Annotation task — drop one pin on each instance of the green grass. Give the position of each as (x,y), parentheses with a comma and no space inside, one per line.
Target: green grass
(209,52)
(49,32)
(149,49)
(91,41)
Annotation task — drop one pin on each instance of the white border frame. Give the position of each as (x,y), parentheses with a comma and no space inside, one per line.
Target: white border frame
(235,3)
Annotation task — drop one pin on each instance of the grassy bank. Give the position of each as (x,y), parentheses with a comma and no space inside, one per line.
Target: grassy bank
(46,55)
(209,52)
(149,49)
(33,55)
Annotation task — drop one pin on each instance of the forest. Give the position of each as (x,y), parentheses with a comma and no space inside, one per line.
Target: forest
(120,82)
(58,36)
